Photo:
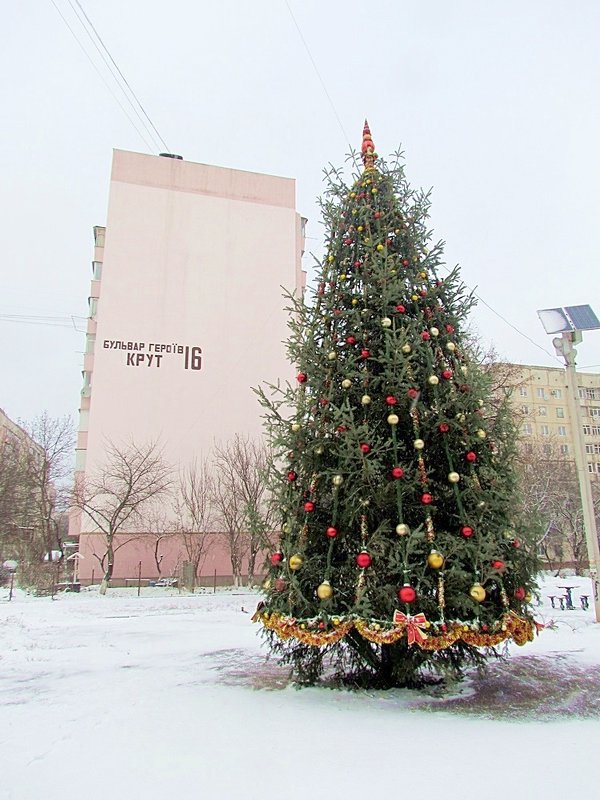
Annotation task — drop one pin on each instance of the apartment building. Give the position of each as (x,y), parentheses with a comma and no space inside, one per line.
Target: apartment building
(540,398)
(186,315)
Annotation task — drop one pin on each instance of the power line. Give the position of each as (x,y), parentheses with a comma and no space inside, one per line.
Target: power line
(151,147)
(123,78)
(321,81)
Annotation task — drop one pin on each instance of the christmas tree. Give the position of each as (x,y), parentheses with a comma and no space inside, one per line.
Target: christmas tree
(400,550)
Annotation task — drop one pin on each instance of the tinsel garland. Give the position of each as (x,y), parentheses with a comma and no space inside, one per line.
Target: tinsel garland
(511,626)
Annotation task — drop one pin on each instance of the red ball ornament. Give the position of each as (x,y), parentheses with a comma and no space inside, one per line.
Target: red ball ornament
(520,593)
(331,532)
(397,472)
(405,262)
(341,429)
(400,308)
(291,476)
(364,560)
(276,558)
(350,340)
(365,448)
(365,353)
(471,456)
(497,564)
(377,214)
(443,427)
(447,374)
(301,377)
(309,506)
(347,241)
(391,400)
(412,393)
(450,328)
(426,336)
(516,543)
(423,293)
(467,531)
(357,264)
(407,594)
(279,585)
(426,498)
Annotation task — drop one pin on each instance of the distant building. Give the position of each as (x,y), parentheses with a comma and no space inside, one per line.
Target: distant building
(540,398)
(186,315)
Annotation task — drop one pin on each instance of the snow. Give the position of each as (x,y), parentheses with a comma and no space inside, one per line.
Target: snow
(162,694)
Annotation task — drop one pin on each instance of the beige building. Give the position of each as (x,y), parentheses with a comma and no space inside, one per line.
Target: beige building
(541,399)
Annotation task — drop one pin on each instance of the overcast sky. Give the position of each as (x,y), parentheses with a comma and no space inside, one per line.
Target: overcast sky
(495,104)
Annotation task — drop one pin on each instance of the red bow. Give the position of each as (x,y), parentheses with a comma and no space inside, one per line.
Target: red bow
(413,625)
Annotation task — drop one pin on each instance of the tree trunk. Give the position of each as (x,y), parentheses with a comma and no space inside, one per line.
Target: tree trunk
(110,565)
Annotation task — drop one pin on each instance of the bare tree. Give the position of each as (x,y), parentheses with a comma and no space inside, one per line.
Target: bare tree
(551,497)
(35,473)
(242,502)
(118,493)
(193,512)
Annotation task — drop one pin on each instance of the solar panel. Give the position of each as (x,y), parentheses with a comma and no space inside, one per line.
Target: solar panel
(583,318)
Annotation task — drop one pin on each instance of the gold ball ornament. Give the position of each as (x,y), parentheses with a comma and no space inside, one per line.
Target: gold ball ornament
(477,592)
(332,355)
(343,276)
(464,370)
(337,480)
(386,322)
(435,560)
(360,229)
(418,444)
(354,301)
(296,427)
(481,433)
(451,347)
(330,259)
(434,331)
(380,247)
(406,348)
(296,561)
(346,383)
(393,419)
(433,380)
(267,584)
(402,529)
(319,449)
(461,417)
(414,297)
(453,477)
(365,400)
(324,591)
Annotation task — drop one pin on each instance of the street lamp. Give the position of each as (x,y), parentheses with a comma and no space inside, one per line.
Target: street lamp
(570,321)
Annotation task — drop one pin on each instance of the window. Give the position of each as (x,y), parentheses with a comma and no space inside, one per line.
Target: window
(595,413)
(590,467)
(544,430)
(557,393)
(562,431)
(523,391)
(541,392)
(564,449)
(96,270)
(591,430)
(525,409)
(90,341)
(93,307)
(542,411)
(527,429)
(592,449)
(589,394)
(560,413)
(548,449)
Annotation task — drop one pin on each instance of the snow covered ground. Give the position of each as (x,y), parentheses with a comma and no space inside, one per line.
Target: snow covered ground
(170,695)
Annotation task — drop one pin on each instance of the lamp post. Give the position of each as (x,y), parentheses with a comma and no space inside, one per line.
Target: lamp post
(570,322)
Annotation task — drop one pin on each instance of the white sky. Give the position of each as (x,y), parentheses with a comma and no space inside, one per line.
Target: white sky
(495,105)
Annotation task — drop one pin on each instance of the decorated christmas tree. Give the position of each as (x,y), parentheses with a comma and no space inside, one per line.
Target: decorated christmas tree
(400,549)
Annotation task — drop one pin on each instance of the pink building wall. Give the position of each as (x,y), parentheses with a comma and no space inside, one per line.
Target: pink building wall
(194,256)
